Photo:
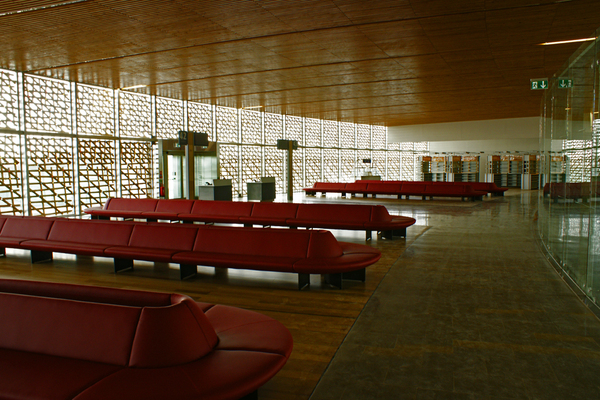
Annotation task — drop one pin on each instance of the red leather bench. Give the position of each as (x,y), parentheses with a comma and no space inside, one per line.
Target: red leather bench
(406,189)
(61,341)
(354,216)
(303,252)
(572,190)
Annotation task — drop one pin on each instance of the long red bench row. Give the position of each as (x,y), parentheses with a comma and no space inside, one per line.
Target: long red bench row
(572,190)
(303,252)
(400,189)
(61,341)
(296,215)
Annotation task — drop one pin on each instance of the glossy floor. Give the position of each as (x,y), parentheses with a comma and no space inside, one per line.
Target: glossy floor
(466,307)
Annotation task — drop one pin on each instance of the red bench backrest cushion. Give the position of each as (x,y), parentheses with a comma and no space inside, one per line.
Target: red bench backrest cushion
(30,228)
(253,241)
(91,232)
(232,208)
(127,204)
(163,236)
(178,206)
(333,212)
(274,210)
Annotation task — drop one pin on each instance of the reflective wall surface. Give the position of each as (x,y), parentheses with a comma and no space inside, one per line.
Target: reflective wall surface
(569,222)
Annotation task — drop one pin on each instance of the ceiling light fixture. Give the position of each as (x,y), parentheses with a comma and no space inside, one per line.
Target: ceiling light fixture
(569,41)
(134,87)
(250,107)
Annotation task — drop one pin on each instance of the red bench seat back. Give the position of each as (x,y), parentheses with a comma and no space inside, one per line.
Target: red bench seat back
(125,204)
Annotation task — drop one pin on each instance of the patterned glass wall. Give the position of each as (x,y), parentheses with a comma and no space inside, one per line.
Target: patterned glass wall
(229,165)
(347,164)
(378,158)
(331,137)
(136,169)
(331,169)
(11,191)
(200,119)
(227,125)
(251,127)
(274,166)
(125,163)
(97,175)
(135,115)
(251,166)
(312,166)
(273,128)
(379,137)
(47,104)
(95,111)
(50,175)
(363,136)
(347,137)
(393,166)
(293,128)
(169,118)
(9,100)
(312,132)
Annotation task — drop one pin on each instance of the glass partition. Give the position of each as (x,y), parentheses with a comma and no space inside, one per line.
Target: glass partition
(569,142)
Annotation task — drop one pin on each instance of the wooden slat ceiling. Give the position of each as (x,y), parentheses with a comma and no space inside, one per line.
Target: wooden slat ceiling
(381,62)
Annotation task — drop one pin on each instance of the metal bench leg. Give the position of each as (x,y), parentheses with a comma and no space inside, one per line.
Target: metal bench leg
(334,280)
(387,234)
(303,281)
(358,275)
(122,264)
(40,256)
(400,232)
(368,235)
(2,252)
(187,271)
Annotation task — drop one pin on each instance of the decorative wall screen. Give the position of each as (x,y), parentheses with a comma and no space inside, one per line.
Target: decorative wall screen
(229,165)
(274,166)
(11,190)
(379,137)
(78,144)
(169,118)
(363,136)
(312,166)
(97,175)
(347,163)
(347,135)
(293,128)
(135,115)
(95,111)
(227,125)
(273,128)
(48,106)
(251,166)
(251,127)
(330,134)
(9,100)
(331,162)
(50,175)
(312,132)
(136,169)
(200,119)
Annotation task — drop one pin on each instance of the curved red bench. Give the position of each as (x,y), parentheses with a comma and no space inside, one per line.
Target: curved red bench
(296,215)
(62,341)
(303,252)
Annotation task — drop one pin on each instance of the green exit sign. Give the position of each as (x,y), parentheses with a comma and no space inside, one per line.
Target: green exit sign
(538,84)
(565,83)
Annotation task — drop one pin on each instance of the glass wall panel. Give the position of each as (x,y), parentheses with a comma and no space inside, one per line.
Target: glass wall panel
(568,213)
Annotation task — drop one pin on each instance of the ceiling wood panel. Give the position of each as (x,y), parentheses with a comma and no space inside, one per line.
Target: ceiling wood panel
(388,62)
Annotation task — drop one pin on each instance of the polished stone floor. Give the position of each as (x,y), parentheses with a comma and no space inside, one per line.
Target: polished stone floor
(471,310)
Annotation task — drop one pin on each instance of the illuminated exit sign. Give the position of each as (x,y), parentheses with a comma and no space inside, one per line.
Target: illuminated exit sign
(538,84)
